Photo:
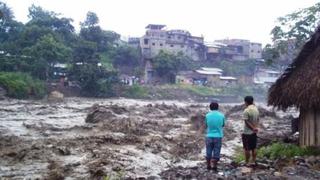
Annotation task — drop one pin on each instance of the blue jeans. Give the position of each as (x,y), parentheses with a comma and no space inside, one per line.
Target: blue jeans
(213,146)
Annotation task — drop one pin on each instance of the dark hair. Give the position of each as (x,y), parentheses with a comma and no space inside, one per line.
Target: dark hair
(248,100)
(214,106)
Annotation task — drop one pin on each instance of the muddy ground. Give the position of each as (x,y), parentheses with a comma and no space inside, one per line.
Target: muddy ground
(98,138)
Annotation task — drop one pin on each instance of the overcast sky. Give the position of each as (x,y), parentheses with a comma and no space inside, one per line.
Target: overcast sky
(214,19)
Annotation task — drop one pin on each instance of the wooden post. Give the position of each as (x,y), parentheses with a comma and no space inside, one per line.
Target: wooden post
(309,127)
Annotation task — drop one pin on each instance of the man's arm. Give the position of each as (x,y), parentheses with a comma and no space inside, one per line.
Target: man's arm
(249,124)
(224,121)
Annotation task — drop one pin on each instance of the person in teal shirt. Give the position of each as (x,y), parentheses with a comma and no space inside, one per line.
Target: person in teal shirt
(214,122)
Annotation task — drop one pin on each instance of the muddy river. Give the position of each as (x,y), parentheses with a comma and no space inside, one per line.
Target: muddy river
(125,138)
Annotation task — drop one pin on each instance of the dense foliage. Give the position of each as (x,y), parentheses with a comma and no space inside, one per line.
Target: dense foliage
(90,58)
(21,85)
(168,64)
(290,33)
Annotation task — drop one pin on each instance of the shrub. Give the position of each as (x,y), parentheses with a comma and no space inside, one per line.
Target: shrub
(136,91)
(277,150)
(22,85)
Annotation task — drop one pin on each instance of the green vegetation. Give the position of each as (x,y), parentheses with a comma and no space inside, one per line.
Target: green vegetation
(179,91)
(244,90)
(197,90)
(93,56)
(238,68)
(290,33)
(167,65)
(136,91)
(280,150)
(21,85)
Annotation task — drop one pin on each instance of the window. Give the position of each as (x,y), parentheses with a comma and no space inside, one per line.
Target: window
(182,46)
(146,41)
(153,44)
(161,44)
(252,51)
(171,45)
(258,51)
(179,37)
(169,37)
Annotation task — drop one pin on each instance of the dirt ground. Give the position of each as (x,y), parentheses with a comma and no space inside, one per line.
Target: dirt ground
(120,138)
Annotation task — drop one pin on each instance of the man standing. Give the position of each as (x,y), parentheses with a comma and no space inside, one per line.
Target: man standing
(249,136)
(214,123)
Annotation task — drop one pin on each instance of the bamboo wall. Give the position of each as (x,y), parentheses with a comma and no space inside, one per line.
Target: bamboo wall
(309,128)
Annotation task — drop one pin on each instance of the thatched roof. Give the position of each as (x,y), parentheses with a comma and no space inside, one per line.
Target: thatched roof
(299,85)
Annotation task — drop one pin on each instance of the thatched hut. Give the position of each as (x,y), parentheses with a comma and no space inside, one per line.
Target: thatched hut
(299,86)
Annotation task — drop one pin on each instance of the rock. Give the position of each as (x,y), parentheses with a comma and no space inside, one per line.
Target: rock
(278,174)
(280,163)
(299,159)
(311,159)
(245,170)
(64,151)
(117,168)
(305,165)
(234,164)
(263,166)
(55,96)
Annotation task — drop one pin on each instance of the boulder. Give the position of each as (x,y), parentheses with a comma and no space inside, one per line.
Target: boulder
(55,96)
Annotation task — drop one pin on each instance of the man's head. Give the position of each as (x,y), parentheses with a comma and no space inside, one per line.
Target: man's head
(248,100)
(214,106)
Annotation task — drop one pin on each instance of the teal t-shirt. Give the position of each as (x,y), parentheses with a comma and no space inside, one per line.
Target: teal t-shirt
(215,122)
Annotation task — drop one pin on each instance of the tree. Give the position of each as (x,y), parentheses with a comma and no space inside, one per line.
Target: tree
(126,56)
(6,13)
(45,54)
(167,64)
(294,29)
(9,28)
(91,20)
(93,78)
(91,31)
(269,54)
(60,27)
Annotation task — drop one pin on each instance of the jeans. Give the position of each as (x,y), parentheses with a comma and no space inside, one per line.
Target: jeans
(213,146)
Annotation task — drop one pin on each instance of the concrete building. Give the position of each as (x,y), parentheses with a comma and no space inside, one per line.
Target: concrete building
(158,38)
(255,50)
(134,42)
(205,76)
(266,76)
(239,49)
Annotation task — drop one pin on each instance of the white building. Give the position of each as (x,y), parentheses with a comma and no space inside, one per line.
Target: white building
(266,76)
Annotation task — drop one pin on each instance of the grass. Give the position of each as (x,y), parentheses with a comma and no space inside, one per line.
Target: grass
(197,90)
(170,91)
(279,150)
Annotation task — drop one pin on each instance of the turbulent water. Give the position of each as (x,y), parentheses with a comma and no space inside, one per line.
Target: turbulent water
(134,138)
